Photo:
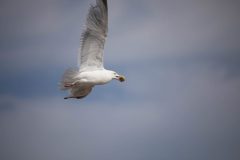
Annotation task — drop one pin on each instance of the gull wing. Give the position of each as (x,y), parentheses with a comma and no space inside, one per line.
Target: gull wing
(94,36)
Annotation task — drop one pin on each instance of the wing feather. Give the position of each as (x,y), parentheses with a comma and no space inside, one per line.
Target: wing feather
(94,36)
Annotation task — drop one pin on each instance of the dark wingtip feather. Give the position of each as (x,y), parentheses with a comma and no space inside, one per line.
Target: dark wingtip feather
(105,3)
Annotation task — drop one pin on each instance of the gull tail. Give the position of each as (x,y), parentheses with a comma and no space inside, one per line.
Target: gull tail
(69,77)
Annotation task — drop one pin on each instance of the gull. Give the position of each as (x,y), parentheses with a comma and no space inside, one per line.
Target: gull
(79,82)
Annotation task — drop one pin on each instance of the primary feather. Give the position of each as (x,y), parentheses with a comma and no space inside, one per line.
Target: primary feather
(94,36)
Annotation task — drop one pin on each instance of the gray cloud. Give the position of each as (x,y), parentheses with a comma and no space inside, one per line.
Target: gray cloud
(143,29)
(37,32)
(200,122)
(175,28)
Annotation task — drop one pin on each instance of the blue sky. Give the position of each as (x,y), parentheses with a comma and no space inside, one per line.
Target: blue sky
(181,99)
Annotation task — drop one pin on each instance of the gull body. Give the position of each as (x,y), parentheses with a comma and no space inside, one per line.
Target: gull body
(91,71)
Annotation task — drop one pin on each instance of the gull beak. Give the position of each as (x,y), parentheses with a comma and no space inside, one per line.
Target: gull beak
(121,78)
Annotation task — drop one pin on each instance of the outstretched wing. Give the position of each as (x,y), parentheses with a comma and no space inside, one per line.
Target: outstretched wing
(94,36)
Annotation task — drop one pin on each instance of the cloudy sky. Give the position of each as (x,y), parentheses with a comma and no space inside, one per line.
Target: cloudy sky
(181,99)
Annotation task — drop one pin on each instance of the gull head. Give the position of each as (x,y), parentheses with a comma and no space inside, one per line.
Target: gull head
(116,76)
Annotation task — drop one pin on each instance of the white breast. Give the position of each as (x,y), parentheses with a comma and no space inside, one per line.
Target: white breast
(95,77)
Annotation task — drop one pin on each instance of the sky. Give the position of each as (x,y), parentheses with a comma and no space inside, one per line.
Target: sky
(180,100)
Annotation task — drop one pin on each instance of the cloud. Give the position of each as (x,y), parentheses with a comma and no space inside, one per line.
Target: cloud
(138,31)
(39,18)
(174,28)
(190,121)
(35,38)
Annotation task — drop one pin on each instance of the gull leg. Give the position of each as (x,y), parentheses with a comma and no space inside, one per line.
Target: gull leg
(67,97)
(78,97)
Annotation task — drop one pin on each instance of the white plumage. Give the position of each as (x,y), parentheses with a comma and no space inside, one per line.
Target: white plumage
(91,71)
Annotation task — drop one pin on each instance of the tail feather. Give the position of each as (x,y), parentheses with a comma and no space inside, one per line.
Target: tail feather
(69,77)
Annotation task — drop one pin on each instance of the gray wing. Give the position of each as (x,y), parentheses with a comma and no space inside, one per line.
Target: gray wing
(93,38)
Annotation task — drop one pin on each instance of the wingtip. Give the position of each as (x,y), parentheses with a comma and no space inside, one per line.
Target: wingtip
(105,3)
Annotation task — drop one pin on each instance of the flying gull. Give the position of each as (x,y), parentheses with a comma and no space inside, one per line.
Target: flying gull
(91,71)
